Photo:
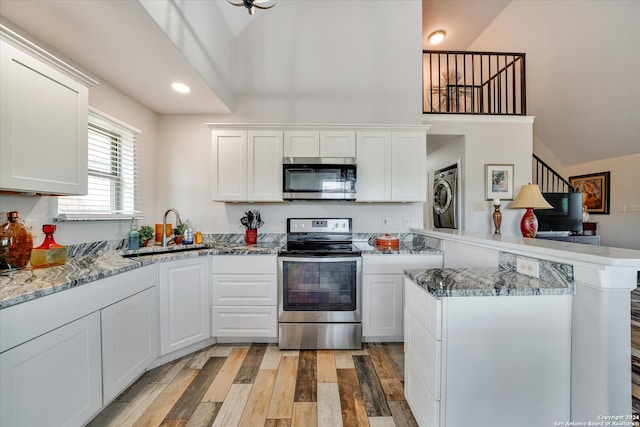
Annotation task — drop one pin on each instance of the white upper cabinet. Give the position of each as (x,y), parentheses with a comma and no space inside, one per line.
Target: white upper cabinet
(408,166)
(374,166)
(265,166)
(301,143)
(43,121)
(392,166)
(324,143)
(247,165)
(229,161)
(337,143)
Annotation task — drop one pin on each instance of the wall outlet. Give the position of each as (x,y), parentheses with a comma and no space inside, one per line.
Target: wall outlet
(527,266)
(408,222)
(479,206)
(385,221)
(621,208)
(634,208)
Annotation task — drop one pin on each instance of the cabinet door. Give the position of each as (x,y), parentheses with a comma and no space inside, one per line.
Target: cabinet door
(229,165)
(184,303)
(374,166)
(55,379)
(43,126)
(301,143)
(129,341)
(409,166)
(337,144)
(382,305)
(265,166)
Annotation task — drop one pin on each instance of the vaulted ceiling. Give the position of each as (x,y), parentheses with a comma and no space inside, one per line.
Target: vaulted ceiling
(582,82)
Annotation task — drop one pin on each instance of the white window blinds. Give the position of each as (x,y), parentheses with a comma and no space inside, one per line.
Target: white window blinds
(113,175)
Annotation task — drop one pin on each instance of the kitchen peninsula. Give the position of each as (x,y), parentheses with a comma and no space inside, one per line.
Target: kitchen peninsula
(600,309)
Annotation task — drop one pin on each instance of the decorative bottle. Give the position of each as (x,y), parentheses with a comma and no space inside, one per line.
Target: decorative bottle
(187,235)
(133,237)
(21,241)
(49,253)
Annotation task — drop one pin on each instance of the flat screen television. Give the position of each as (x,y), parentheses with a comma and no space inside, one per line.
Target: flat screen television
(566,215)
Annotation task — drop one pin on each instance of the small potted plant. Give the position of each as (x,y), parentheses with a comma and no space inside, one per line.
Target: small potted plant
(177,233)
(145,233)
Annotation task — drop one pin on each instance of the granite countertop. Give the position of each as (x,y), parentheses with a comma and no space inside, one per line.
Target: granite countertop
(27,284)
(407,247)
(467,282)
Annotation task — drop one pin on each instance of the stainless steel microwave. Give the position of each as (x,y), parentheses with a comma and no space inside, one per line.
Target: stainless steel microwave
(319,178)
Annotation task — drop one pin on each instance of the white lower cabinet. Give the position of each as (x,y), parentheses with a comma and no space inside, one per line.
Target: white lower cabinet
(54,379)
(382,293)
(244,294)
(129,341)
(183,288)
(498,361)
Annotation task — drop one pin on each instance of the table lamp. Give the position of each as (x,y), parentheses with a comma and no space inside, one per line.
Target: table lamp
(529,198)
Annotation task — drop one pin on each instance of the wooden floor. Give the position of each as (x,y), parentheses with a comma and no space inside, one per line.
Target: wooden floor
(635,348)
(260,385)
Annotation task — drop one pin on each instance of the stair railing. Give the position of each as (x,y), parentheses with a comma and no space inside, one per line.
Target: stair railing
(548,179)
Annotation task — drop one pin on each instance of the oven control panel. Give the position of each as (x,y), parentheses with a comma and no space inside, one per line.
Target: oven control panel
(320,225)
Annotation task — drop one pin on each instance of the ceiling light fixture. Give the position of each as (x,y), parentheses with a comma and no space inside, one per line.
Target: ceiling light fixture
(180,87)
(436,37)
(251,5)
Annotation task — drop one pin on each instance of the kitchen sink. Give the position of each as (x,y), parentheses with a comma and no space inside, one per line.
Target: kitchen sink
(159,250)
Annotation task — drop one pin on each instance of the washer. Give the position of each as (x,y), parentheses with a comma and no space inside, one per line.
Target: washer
(445,200)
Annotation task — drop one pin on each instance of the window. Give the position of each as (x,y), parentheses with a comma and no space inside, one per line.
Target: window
(113,181)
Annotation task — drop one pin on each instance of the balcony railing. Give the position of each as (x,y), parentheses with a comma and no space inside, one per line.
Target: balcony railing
(474,83)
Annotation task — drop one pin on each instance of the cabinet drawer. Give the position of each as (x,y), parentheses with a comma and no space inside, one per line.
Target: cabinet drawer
(422,403)
(240,289)
(426,308)
(426,352)
(244,264)
(244,321)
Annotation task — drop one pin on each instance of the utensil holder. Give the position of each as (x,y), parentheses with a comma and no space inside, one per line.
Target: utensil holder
(251,237)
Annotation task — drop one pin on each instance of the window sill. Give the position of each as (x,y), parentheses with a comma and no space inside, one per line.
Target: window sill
(95,217)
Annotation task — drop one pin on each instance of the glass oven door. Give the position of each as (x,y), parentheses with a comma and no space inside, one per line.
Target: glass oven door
(320,289)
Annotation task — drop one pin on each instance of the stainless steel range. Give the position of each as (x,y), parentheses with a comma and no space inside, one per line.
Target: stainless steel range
(320,286)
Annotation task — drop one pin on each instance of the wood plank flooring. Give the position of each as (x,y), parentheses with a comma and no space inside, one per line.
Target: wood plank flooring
(635,348)
(255,385)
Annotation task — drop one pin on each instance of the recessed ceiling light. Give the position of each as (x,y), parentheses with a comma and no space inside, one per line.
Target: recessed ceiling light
(436,37)
(180,87)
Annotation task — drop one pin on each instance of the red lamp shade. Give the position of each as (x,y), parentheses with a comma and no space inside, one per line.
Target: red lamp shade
(529,198)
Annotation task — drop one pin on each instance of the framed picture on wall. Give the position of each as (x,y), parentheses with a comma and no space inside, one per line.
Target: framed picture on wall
(498,182)
(595,191)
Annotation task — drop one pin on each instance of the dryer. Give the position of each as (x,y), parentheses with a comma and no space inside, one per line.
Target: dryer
(445,197)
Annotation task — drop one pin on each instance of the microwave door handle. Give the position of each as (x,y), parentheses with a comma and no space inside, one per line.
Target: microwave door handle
(299,170)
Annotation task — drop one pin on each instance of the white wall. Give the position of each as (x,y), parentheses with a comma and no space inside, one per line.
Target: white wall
(619,228)
(317,61)
(488,140)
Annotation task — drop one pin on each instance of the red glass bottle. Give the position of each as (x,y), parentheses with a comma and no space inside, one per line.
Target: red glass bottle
(49,253)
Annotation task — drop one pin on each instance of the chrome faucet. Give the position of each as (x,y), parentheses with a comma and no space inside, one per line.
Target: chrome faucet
(164,226)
